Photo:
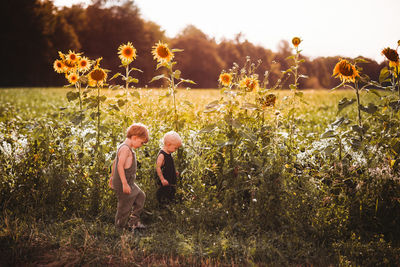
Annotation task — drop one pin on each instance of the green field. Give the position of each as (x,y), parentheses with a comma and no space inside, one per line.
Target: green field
(302,182)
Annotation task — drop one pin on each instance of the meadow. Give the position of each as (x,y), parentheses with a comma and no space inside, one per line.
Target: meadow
(296,182)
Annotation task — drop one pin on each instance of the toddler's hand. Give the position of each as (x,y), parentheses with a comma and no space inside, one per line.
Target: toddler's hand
(164,182)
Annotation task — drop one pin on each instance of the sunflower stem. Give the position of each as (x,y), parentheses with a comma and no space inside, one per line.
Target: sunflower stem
(358,104)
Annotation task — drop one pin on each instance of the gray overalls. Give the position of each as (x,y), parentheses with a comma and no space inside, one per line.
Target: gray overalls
(134,201)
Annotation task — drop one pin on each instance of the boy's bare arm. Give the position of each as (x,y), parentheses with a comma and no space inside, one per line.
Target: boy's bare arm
(159,163)
(122,157)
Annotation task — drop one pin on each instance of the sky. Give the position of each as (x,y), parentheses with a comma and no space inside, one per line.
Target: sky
(347,28)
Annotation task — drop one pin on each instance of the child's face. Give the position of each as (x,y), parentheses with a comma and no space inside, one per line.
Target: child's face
(137,141)
(173,146)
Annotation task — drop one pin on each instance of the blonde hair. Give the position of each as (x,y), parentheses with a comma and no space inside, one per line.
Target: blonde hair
(139,130)
(172,137)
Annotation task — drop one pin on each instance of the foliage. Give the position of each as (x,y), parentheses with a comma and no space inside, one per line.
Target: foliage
(266,176)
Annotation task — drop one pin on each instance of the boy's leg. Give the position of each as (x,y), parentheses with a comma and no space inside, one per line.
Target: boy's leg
(138,204)
(124,207)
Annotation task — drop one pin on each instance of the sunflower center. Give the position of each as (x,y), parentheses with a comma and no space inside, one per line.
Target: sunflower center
(72,57)
(345,69)
(83,63)
(162,51)
(97,75)
(128,52)
(392,55)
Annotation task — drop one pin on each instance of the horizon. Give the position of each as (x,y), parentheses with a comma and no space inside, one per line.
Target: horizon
(338,34)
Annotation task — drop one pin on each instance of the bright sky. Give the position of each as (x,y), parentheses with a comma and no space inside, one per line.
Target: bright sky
(327,27)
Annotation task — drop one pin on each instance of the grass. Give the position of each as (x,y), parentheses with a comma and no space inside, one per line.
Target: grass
(178,236)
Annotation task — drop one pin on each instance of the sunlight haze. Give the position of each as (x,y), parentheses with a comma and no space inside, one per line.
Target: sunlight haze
(327,28)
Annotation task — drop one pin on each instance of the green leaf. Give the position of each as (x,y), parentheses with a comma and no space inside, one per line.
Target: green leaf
(116,87)
(328,134)
(356,143)
(157,77)
(136,69)
(329,150)
(177,74)
(115,76)
(248,135)
(357,128)
(375,92)
(188,103)
(344,103)
(212,104)
(93,115)
(208,128)
(113,106)
(395,147)
(187,81)
(103,98)
(135,94)
(338,86)
(72,95)
(121,102)
(395,105)
(360,60)
(132,80)
(338,122)
(299,94)
(292,86)
(384,75)
(370,109)
(78,119)
(249,106)
(176,50)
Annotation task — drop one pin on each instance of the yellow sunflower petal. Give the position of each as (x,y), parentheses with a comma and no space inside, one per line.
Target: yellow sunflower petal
(127,53)
(162,53)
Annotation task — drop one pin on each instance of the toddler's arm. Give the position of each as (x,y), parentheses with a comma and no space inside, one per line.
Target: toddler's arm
(159,163)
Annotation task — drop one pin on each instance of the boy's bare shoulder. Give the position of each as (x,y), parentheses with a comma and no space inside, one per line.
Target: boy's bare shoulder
(124,150)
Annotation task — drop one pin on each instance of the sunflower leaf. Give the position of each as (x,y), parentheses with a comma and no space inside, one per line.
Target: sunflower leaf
(135,94)
(384,75)
(176,50)
(116,75)
(187,81)
(72,95)
(344,103)
(157,77)
(132,80)
(337,87)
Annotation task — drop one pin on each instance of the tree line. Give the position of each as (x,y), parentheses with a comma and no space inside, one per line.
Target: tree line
(37,30)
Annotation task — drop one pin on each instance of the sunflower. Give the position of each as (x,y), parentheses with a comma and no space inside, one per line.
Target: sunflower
(346,71)
(225,79)
(72,57)
(72,78)
(127,53)
(97,77)
(392,56)
(267,101)
(69,67)
(162,53)
(296,41)
(249,84)
(84,64)
(58,66)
